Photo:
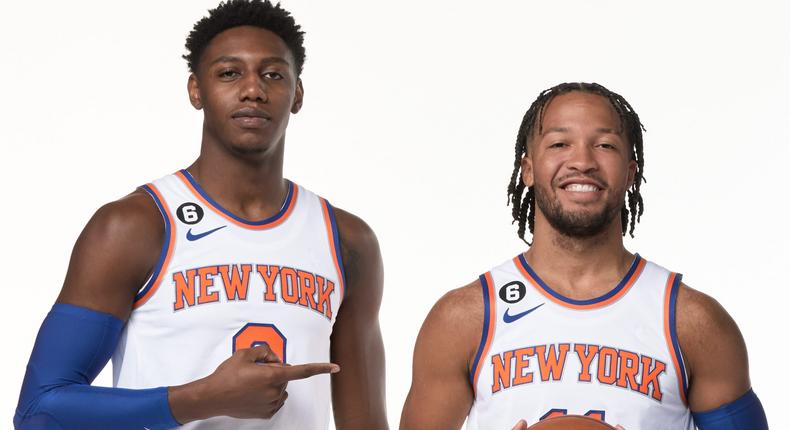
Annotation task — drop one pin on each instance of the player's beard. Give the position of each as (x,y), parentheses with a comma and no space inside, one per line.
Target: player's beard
(579,224)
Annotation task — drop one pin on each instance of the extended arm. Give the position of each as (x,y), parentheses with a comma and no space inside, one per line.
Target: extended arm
(358,395)
(441,393)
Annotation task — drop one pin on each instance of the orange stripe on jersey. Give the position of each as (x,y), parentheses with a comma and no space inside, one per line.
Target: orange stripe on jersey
(489,324)
(611,297)
(669,311)
(334,248)
(278,219)
(167,254)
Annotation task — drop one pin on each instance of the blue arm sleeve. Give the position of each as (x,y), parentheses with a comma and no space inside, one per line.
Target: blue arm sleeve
(745,413)
(72,347)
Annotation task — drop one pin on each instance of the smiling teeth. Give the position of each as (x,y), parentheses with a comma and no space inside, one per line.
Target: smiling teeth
(581,188)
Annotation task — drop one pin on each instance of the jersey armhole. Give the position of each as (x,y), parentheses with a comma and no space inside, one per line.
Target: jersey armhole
(334,244)
(670,332)
(150,287)
(489,316)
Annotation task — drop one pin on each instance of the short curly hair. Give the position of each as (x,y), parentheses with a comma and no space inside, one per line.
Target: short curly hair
(236,13)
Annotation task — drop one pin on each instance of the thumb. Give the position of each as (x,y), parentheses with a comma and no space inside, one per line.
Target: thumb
(263,354)
(520,425)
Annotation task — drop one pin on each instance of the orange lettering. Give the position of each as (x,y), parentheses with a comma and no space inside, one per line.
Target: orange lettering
(629,368)
(550,365)
(205,283)
(501,369)
(607,365)
(307,289)
(185,289)
(324,304)
(269,275)
(522,363)
(650,377)
(236,282)
(586,354)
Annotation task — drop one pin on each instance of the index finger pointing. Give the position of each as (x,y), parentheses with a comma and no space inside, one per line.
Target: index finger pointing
(302,371)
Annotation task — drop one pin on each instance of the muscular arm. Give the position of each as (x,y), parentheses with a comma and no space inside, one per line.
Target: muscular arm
(713,349)
(441,395)
(358,395)
(114,255)
(112,258)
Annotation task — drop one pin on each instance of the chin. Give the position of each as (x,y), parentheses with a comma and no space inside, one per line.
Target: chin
(251,144)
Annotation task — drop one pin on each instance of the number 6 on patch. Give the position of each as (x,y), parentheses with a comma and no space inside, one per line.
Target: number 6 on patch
(254,334)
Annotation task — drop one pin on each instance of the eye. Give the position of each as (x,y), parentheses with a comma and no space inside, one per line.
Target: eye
(228,73)
(606,145)
(272,75)
(558,145)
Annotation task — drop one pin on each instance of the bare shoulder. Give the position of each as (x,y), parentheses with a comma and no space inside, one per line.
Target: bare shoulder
(114,254)
(354,232)
(457,319)
(704,323)
(707,334)
(361,257)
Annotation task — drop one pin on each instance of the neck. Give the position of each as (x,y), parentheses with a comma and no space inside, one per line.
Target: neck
(250,186)
(579,267)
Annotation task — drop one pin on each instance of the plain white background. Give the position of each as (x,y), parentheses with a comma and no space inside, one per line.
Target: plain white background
(410,118)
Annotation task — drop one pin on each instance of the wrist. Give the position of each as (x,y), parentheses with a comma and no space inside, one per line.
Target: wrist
(191,402)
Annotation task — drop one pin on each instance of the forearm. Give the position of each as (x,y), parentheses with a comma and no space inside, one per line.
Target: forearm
(95,408)
(72,347)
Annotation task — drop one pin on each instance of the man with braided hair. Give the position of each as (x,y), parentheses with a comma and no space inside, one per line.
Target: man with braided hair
(225,293)
(577,324)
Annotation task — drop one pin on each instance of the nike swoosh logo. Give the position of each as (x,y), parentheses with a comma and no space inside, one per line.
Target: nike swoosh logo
(192,237)
(510,318)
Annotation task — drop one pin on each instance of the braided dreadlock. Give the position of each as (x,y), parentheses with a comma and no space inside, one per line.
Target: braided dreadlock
(524,209)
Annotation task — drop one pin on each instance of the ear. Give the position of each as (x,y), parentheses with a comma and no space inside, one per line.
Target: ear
(527,174)
(298,97)
(631,173)
(193,89)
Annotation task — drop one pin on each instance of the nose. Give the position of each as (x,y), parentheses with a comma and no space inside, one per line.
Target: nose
(253,88)
(582,159)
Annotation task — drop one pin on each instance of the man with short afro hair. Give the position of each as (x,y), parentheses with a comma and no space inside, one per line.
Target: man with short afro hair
(227,296)
(237,13)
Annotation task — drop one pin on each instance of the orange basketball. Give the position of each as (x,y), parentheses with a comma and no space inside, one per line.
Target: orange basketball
(571,422)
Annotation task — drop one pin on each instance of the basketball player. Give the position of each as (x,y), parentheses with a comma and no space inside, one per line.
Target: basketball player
(577,324)
(225,293)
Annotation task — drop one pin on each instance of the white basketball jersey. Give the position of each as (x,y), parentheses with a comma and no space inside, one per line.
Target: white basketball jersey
(223,283)
(615,358)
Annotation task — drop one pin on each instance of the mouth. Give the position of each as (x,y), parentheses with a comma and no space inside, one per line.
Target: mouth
(581,188)
(250,118)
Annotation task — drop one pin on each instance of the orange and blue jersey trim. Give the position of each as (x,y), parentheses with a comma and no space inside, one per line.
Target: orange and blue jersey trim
(670,333)
(151,286)
(612,296)
(489,319)
(273,221)
(334,243)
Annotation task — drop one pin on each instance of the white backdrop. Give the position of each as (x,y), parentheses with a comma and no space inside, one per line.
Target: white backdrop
(410,118)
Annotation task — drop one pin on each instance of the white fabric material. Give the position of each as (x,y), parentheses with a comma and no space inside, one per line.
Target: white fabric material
(162,345)
(632,323)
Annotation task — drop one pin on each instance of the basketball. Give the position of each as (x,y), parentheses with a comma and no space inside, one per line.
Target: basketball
(571,422)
